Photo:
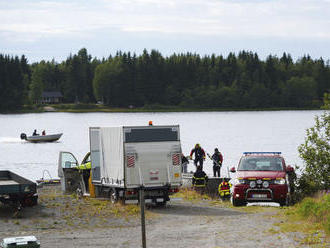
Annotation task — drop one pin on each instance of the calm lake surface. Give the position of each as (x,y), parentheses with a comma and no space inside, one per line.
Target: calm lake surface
(232,132)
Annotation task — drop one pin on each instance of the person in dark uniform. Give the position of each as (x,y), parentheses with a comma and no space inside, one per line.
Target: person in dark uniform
(35,132)
(199,155)
(217,162)
(199,178)
(184,162)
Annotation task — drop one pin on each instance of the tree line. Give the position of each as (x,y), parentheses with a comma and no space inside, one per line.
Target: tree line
(152,80)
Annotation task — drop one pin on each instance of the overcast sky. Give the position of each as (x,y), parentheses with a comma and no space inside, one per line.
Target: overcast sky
(47,29)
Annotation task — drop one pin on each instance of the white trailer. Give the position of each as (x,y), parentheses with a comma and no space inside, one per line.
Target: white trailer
(124,159)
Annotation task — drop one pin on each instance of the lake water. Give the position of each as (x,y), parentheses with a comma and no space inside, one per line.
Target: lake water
(232,132)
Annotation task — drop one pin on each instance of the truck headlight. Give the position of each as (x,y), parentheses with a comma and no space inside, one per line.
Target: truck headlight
(239,181)
(253,184)
(280,181)
(265,184)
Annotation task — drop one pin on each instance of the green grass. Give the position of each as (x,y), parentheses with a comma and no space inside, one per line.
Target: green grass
(91,107)
(316,210)
(149,108)
(311,217)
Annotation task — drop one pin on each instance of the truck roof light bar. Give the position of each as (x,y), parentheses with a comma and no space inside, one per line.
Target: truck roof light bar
(249,153)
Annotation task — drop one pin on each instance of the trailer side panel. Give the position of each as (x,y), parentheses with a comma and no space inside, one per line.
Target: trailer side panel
(112,169)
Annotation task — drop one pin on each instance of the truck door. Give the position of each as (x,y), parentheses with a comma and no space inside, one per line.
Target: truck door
(66,160)
(68,171)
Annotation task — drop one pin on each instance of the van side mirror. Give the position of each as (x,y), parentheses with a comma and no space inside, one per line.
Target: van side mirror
(289,169)
(233,170)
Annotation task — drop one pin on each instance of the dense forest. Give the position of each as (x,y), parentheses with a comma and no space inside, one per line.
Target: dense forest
(241,81)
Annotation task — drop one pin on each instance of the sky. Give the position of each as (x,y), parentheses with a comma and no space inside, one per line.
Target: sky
(52,29)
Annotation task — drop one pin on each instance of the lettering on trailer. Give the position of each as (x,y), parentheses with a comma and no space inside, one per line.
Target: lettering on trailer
(154,174)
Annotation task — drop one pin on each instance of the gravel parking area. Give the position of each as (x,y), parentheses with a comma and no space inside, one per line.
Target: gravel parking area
(60,221)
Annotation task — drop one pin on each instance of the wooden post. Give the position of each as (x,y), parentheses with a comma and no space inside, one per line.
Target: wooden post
(143,223)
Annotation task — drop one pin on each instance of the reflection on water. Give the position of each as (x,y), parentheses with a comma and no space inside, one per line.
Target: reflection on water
(232,132)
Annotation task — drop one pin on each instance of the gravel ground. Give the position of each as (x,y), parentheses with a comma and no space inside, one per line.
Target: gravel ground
(179,224)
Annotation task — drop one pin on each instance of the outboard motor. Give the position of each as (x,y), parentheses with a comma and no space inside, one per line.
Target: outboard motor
(23,136)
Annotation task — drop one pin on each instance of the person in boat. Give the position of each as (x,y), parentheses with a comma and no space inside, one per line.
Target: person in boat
(35,132)
(199,155)
(43,132)
(217,162)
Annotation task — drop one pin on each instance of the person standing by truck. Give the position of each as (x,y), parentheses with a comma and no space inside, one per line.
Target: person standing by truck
(217,162)
(199,155)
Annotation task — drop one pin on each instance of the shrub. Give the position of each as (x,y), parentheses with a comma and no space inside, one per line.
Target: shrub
(315,152)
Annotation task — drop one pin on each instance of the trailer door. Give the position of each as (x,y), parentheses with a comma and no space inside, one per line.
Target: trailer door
(152,156)
(95,148)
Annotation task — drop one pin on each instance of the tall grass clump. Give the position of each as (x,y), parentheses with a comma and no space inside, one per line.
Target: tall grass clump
(192,195)
(316,210)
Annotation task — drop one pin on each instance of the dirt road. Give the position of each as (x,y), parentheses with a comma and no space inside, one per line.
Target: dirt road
(179,224)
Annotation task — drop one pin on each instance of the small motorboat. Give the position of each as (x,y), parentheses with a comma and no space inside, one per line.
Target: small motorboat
(41,138)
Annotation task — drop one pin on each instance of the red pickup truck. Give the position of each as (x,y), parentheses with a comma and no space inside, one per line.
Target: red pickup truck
(261,176)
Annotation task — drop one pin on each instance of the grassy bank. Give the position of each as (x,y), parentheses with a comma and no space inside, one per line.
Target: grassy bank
(86,108)
(310,217)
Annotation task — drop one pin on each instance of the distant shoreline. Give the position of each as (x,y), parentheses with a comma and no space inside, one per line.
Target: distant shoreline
(92,108)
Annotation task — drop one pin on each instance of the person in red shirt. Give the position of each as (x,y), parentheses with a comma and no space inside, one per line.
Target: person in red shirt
(199,155)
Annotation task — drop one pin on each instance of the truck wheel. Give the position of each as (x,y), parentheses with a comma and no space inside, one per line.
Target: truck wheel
(285,202)
(34,200)
(113,196)
(238,203)
(161,204)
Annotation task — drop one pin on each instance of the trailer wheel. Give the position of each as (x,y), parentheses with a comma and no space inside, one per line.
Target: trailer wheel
(161,204)
(113,196)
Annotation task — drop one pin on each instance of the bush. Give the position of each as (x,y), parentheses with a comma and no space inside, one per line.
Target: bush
(315,152)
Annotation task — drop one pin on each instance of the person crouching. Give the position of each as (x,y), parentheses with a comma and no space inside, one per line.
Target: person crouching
(224,189)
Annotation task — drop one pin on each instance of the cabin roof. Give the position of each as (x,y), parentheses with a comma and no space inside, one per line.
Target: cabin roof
(51,94)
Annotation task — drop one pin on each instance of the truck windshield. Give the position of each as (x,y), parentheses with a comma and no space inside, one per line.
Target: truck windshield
(260,164)
(151,134)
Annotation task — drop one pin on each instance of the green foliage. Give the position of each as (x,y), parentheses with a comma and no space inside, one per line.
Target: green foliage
(14,76)
(326,100)
(185,80)
(315,152)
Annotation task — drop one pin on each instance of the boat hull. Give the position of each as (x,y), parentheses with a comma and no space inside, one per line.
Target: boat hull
(44,138)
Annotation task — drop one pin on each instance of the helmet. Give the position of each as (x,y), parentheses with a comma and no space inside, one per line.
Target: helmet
(150,123)
(197,145)
(216,150)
